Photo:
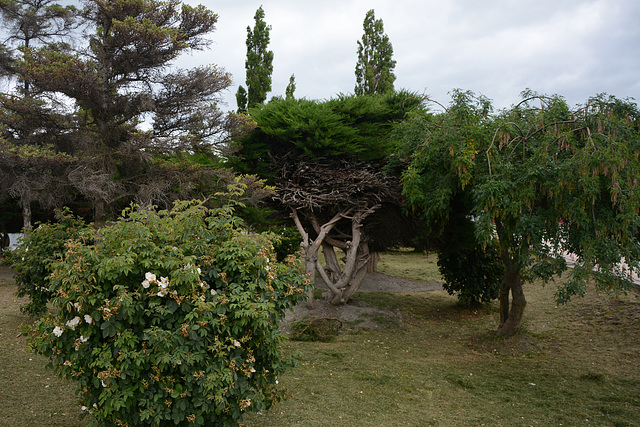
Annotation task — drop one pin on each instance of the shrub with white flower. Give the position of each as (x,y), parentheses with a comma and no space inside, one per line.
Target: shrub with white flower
(171,318)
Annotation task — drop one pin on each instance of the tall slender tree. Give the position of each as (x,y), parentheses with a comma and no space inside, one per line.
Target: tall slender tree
(291,87)
(374,69)
(259,63)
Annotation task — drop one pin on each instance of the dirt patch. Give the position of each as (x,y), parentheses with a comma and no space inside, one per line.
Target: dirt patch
(514,345)
(6,273)
(357,315)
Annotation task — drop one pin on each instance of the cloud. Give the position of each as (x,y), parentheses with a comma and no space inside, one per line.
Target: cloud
(575,48)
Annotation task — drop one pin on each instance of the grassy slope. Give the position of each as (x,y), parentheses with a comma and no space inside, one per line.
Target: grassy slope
(30,395)
(442,366)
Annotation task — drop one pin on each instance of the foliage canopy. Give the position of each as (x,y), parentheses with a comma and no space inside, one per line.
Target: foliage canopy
(542,179)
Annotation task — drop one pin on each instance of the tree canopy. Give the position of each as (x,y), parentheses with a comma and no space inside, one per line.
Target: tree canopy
(374,68)
(542,179)
(123,76)
(327,160)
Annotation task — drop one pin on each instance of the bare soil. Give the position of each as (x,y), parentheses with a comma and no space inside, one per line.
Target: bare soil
(357,315)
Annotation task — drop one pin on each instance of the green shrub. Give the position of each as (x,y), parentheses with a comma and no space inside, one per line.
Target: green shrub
(38,249)
(171,318)
(474,273)
(286,242)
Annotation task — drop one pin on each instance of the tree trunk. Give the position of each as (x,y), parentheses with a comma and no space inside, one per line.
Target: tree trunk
(511,317)
(26,213)
(372,265)
(99,216)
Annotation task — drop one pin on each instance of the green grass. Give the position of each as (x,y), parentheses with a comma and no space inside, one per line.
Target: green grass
(571,365)
(30,394)
(410,265)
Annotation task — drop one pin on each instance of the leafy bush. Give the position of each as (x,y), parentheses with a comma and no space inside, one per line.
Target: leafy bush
(39,248)
(475,274)
(171,318)
(287,241)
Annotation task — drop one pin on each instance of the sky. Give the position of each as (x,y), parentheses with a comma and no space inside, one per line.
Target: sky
(497,48)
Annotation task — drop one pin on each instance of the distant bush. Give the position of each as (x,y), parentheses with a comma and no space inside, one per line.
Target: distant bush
(473,273)
(39,248)
(171,318)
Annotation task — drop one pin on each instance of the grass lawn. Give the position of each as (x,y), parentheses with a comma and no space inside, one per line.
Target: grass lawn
(571,365)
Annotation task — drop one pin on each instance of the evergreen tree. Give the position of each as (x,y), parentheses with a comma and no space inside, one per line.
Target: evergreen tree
(32,158)
(122,76)
(241,99)
(374,69)
(291,87)
(259,63)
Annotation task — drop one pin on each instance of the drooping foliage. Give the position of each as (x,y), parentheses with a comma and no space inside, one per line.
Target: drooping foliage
(542,179)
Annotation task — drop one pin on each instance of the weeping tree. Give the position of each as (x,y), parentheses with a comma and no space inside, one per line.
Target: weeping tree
(329,163)
(543,181)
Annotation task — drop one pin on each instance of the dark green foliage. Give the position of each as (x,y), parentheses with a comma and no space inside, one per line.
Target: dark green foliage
(286,241)
(241,99)
(357,127)
(39,249)
(474,274)
(291,87)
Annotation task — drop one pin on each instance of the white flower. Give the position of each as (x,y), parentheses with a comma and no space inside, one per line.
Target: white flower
(145,283)
(150,277)
(84,408)
(276,381)
(57,331)
(73,323)
(88,319)
(164,282)
(103,384)
(213,292)
(76,305)
(161,293)
(83,339)
(199,271)
(236,343)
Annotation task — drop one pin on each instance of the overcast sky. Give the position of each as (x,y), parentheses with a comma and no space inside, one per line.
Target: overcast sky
(575,48)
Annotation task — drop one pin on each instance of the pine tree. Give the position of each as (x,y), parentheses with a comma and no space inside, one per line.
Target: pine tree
(259,63)
(374,69)
(291,87)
